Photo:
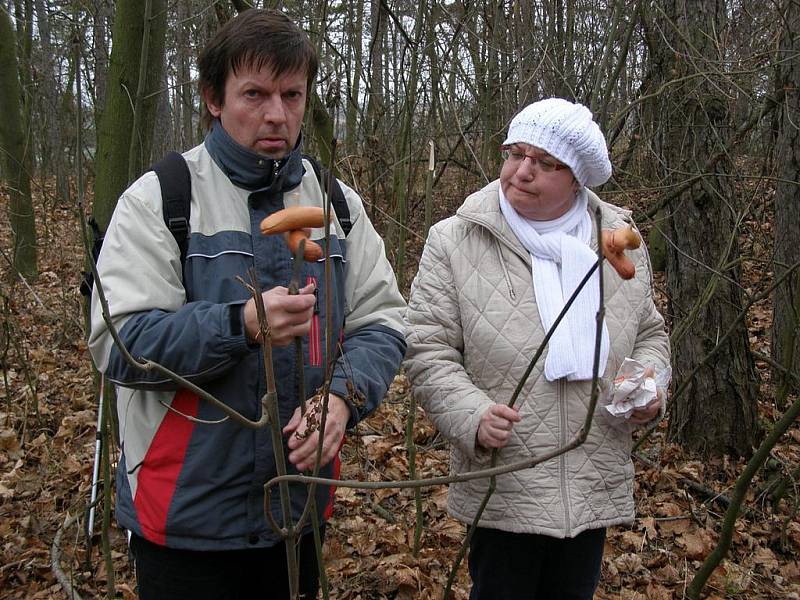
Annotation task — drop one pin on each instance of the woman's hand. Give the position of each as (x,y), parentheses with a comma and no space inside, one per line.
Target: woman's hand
(641,416)
(495,426)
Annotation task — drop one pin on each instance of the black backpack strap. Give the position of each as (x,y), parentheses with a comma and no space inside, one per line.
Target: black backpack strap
(176,195)
(338,201)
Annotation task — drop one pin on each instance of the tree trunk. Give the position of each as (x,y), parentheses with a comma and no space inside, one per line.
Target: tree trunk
(433,62)
(403,181)
(786,323)
(319,129)
(184,90)
(69,136)
(528,30)
(355,31)
(377,24)
(165,138)
(717,413)
(14,159)
(46,92)
(24,14)
(115,127)
(100,53)
(493,126)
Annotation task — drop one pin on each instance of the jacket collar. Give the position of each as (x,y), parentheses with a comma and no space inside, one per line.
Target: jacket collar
(249,170)
(483,208)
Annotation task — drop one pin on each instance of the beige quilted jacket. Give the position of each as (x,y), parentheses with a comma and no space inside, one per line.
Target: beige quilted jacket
(472,328)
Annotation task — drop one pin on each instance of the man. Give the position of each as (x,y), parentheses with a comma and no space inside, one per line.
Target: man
(189,487)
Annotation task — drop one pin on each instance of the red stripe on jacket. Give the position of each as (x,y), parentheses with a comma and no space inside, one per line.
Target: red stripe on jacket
(158,475)
(337,470)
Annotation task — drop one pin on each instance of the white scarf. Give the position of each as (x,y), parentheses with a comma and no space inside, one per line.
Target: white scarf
(560,257)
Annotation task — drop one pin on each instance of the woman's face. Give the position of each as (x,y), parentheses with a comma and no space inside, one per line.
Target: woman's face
(538,186)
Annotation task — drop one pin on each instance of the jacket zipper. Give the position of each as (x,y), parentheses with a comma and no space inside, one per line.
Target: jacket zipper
(563,458)
(511,293)
(500,241)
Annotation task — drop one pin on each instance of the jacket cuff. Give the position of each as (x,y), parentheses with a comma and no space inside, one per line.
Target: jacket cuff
(475,451)
(338,387)
(236,339)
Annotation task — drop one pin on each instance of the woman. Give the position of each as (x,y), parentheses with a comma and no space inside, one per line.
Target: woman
(491,281)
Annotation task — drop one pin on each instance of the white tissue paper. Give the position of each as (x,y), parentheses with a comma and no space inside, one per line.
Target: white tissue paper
(635,387)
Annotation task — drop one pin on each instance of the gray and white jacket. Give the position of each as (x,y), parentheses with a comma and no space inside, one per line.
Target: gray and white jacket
(193,485)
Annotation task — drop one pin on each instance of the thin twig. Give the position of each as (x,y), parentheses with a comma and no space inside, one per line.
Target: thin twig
(55,559)
(288,531)
(740,489)
(432,481)
(330,358)
(411,447)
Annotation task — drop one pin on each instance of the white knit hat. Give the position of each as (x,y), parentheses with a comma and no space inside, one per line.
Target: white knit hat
(567,132)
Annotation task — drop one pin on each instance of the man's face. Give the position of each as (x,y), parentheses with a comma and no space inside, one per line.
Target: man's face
(262,112)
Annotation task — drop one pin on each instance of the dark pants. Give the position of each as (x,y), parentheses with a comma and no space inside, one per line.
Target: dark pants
(522,566)
(259,573)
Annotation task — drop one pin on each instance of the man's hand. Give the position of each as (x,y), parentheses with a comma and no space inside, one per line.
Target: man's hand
(303,446)
(495,426)
(287,316)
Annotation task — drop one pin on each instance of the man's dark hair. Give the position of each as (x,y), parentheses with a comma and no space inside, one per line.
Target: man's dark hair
(254,38)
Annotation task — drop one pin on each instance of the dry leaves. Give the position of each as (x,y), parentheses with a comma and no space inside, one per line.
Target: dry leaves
(47,443)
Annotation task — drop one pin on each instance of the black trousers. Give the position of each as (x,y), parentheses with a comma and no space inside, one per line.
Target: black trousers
(522,566)
(259,573)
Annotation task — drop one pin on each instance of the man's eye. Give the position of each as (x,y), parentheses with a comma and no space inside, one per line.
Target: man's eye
(547,164)
(517,155)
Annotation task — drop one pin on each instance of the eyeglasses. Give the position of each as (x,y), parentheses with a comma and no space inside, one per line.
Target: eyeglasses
(516,157)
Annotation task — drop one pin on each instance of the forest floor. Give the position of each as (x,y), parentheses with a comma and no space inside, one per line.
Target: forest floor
(47,442)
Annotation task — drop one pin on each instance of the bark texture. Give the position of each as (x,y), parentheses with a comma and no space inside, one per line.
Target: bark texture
(717,412)
(786,322)
(115,128)
(13,157)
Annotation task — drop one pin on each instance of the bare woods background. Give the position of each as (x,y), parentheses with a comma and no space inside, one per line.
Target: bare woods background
(700,105)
